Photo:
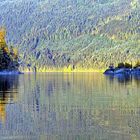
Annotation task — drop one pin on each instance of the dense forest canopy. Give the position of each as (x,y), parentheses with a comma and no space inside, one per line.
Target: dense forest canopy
(73,33)
(8,56)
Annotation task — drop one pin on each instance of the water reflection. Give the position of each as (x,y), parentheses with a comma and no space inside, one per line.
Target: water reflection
(121,78)
(8,93)
(124,78)
(85,106)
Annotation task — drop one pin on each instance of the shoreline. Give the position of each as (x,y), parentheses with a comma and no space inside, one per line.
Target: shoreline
(64,71)
(7,72)
(115,71)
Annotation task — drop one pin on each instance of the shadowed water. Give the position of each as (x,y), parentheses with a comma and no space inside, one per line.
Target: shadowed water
(72,106)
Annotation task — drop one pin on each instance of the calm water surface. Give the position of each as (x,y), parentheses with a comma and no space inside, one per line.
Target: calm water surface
(63,106)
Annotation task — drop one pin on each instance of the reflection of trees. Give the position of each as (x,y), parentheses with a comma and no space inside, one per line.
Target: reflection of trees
(137,79)
(8,91)
(8,85)
(124,78)
(121,78)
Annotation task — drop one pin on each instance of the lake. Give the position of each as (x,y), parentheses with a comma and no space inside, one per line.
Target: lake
(69,106)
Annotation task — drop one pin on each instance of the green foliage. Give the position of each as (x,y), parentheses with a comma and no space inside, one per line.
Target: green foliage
(137,64)
(84,33)
(121,65)
(124,65)
(127,65)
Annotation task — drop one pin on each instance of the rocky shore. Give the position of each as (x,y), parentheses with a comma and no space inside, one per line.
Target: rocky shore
(6,72)
(123,71)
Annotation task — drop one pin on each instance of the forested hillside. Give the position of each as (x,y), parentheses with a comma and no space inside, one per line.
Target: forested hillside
(80,34)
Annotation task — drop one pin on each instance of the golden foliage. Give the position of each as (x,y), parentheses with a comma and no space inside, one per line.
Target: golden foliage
(2,35)
(6,50)
(15,53)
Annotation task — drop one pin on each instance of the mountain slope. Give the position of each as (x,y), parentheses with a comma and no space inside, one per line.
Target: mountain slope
(81,33)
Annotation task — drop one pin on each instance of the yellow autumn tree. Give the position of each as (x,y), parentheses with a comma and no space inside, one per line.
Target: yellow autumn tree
(2,37)
(15,53)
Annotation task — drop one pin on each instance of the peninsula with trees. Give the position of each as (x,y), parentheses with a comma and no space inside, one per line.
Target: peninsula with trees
(8,56)
(124,68)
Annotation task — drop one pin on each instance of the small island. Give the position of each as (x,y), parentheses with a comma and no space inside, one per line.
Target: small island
(8,56)
(123,68)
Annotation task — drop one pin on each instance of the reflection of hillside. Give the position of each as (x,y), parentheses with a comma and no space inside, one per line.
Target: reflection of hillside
(77,103)
(79,88)
(8,93)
